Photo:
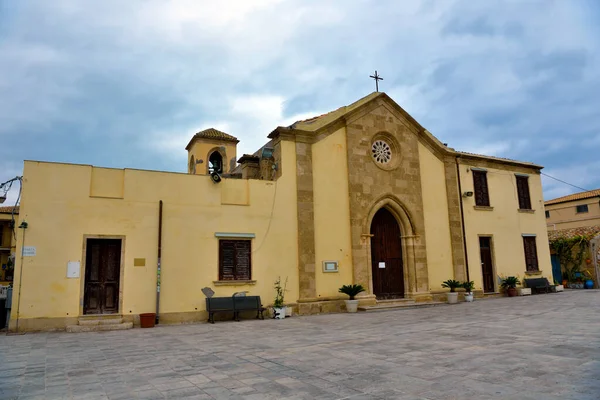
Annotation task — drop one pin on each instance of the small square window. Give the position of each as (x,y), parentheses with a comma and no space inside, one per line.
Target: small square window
(547,214)
(582,209)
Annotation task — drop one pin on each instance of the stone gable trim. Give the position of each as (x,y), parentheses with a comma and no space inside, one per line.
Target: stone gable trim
(426,137)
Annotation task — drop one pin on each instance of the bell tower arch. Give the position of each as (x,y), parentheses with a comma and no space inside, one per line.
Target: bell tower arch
(210,150)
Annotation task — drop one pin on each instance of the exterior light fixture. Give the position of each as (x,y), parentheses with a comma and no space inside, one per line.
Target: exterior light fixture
(24,225)
(467,194)
(2,198)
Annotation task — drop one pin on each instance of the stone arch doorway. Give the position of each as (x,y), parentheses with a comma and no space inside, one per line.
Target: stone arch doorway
(387,264)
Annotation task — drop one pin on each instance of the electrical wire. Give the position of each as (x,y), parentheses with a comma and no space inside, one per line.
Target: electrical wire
(566,183)
(270,220)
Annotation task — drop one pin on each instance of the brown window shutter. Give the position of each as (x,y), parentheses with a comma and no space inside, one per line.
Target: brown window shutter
(242,256)
(523,193)
(482,197)
(226,260)
(234,260)
(530,248)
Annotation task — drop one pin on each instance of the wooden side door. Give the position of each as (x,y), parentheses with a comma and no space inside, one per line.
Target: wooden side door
(487,269)
(386,256)
(102,276)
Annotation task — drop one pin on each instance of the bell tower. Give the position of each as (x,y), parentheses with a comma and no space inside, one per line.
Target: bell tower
(211,150)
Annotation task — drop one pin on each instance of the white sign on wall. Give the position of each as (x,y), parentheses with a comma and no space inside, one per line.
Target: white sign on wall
(73,268)
(28,251)
(381,265)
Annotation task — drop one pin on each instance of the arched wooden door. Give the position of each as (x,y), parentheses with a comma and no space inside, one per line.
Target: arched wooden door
(386,256)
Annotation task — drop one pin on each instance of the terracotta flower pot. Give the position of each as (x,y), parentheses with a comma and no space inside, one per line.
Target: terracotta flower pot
(511,292)
(147,320)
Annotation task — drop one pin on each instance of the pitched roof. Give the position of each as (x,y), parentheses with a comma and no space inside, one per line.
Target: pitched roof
(212,133)
(575,196)
(9,209)
(572,232)
(320,121)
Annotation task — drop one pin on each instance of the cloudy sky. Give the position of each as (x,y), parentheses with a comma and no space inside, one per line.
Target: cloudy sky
(126,83)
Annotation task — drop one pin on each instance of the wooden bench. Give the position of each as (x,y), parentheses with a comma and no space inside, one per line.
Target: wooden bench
(233,305)
(538,285)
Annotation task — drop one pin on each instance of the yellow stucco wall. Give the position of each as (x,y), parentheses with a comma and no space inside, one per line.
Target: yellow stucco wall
(331,213)
(565,215)
(505,224)
(437,225)
(201,149)
(58,207)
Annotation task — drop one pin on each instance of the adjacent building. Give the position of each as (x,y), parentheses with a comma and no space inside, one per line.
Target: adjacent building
(363,194)
(573,211)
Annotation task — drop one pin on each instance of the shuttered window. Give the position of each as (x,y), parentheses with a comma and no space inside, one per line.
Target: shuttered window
(523,192)
(482,196)
(234,260)
(531,259)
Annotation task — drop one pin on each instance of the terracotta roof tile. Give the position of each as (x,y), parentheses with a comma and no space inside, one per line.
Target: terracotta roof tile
(572,232)
(576,196)
(212,133)
(9,209)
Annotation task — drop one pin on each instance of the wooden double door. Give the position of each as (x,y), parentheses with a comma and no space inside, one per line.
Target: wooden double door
(386,256)
(102,276)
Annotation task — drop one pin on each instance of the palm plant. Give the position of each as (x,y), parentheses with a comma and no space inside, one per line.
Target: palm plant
(468,286)
(351,290)
(451,284)
(510,282)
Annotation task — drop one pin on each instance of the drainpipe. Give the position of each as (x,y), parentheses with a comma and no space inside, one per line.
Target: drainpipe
(160,208)
(24,227)
(462,219)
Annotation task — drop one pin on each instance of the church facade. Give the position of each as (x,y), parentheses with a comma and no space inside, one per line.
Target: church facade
(363,194)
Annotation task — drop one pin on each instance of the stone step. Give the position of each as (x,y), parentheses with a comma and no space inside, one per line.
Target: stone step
(401,306)
(493,295)
(395,301)
(86,321)
(99,328)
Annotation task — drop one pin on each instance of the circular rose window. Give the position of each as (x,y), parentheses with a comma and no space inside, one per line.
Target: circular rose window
(381,151)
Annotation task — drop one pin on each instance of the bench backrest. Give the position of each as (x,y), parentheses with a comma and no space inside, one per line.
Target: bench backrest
(536,282)
(247,303)
(219,303)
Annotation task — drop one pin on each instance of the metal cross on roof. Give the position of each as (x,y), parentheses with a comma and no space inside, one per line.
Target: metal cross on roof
(377,79)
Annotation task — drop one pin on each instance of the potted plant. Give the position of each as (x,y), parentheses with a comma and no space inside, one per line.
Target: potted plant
(451,284)
(468,286)
(589,281)
(510,285)
(558,287)
(278,304)
(351,291)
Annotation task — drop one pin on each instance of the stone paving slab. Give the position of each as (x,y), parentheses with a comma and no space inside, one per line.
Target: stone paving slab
(535,347)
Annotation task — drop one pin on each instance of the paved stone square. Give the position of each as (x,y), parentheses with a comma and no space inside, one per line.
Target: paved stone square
(536,347)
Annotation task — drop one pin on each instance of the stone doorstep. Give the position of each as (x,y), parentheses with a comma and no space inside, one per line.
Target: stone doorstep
(100,321)
(401,306)
(99,327)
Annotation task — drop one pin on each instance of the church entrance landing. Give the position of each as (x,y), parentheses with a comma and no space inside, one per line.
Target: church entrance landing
(386,256)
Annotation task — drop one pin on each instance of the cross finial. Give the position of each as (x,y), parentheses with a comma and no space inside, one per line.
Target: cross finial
(377,79)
